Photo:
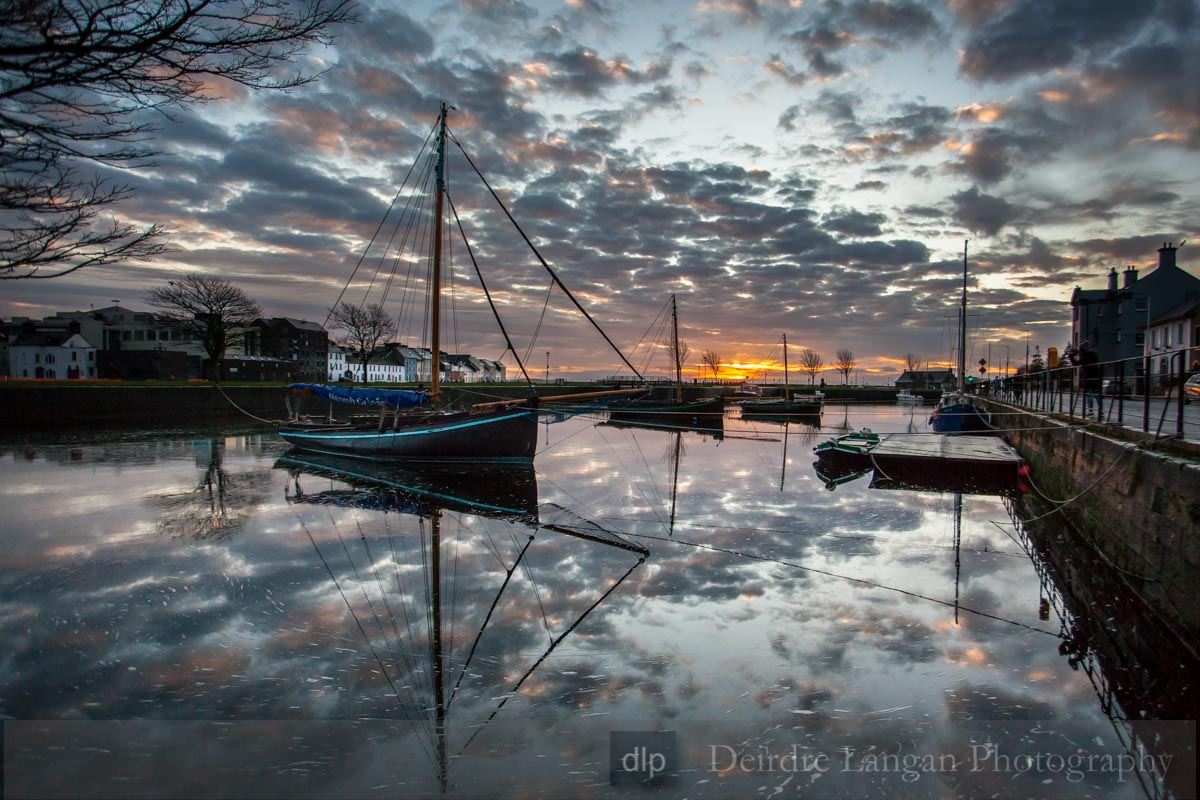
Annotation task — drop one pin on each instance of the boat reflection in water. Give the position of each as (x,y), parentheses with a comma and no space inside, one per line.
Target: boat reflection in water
(487,488)
(438,644)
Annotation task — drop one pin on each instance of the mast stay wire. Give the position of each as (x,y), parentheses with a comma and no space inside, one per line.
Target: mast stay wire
(542,260)
(371,241)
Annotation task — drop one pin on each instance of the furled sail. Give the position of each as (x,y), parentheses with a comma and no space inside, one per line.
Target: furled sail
(358,396)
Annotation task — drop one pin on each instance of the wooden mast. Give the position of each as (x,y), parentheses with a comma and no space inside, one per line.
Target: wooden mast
(786,397)
(675,345)
(962,329)
(439,683)
(435,309)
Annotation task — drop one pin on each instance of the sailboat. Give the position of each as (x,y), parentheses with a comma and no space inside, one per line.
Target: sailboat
(415,425)
(787,405)
(707,411)
(958,412)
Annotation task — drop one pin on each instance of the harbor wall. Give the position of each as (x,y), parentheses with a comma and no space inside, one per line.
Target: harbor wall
(71,406)
(1137,506)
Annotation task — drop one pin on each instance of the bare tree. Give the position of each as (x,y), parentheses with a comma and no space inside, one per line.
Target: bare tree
(912,362)
(80,80)
(366,328)
(844,363)
(712,360)
(811,362)
(211,310)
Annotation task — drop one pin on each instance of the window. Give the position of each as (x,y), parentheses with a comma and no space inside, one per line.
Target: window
(1166,337)
(74,356)
(1154,338)
(1139,338)
(37,358)
(139,336)
(126,336)
(1140,302)
(1179,333)
(1118,337)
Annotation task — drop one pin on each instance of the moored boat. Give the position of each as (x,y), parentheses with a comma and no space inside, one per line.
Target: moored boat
(958,412)
(418,425)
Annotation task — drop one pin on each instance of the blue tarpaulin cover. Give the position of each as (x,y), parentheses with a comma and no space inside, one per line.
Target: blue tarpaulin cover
(393,398)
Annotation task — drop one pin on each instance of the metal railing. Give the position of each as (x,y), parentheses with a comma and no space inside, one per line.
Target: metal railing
(1125,392)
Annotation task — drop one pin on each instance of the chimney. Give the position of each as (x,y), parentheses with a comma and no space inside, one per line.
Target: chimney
(1112,280)
(1130,277)
(1166,255)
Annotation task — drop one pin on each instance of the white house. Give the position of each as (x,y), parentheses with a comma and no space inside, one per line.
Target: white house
(44,355)
(337,362)
(383,367)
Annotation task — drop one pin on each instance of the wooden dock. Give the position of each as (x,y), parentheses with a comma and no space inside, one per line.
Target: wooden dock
(937,462)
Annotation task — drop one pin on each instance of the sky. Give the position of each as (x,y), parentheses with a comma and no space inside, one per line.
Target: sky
(784,167)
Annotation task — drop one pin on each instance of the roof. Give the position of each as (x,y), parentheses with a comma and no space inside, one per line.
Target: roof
(301,324)
(1185,309)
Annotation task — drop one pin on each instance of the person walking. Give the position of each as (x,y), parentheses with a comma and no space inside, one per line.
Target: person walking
(1089,366)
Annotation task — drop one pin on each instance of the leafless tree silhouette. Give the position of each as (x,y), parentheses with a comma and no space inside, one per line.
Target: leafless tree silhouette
(81,82)
(214,311)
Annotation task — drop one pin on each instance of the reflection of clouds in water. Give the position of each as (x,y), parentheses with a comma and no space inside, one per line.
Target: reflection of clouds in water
(252,625)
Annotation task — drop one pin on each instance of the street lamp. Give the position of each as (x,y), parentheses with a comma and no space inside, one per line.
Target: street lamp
(547,366)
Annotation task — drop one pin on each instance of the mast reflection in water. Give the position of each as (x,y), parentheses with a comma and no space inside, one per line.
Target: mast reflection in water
(364,632)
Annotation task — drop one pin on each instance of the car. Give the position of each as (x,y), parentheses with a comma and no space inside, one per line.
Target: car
(1114,387)
(1191,389)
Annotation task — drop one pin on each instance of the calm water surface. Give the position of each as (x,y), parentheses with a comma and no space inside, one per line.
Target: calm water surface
(187,614)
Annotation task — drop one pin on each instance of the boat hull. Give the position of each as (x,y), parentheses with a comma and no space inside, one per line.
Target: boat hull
(502,435)
(779,408)
(709,409)
(960,417)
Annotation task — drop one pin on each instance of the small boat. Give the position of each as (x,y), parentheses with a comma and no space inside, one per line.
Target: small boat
(676,411)
(857,445)
(747,391)
(906,398)
(959,412)
(787,405)
(416,425)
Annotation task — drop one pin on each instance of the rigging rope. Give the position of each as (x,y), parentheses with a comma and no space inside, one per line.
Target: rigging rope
(543,262)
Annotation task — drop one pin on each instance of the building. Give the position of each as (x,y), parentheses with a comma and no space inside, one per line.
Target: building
(1174,334)
(1114,320)
(386,365)
(304,343)
(925,379)
(53,356)
(336,359)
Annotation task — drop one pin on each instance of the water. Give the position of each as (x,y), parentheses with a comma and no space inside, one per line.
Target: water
(185,615)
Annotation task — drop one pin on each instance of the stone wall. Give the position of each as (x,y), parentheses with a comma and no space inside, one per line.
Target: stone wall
(1140,508)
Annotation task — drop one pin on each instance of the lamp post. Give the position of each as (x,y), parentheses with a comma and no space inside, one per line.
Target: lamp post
(547,366)
(1026,352)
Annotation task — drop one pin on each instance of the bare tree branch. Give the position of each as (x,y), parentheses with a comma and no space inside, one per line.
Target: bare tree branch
(844,363)
(366,328)
(76,78)
(214,311)
(712,360)
(811,362)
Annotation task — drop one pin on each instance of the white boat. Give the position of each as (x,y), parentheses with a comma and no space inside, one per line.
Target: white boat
(906,398)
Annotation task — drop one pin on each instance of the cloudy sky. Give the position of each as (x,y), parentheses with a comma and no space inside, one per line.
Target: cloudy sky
(782,166)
